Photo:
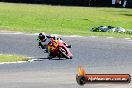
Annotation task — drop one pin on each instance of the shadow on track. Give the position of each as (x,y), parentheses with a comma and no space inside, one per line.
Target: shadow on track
(42,59)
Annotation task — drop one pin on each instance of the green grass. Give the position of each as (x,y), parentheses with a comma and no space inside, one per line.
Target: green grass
(12,58)
(62,19)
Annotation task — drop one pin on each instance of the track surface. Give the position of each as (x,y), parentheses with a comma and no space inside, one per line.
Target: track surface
(96,55)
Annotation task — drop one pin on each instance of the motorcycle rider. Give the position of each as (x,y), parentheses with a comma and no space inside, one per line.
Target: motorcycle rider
(45,40)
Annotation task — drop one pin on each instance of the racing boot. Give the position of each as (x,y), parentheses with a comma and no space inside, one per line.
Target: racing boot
(49,56)
(45,51)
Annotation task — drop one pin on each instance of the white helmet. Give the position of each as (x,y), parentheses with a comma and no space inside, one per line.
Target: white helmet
(54,36)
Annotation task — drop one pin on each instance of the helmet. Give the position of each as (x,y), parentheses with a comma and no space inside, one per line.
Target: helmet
(42,36)
(54,37)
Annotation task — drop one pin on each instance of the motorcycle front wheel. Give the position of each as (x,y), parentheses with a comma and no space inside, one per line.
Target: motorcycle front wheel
(64,53)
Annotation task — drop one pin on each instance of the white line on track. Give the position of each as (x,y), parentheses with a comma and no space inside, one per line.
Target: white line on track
(72,36)
(30,60)
(11,33)
(127,38)
(109,37)
(93,36)
(13,62)
(30,34)
(36,34)
(17,62)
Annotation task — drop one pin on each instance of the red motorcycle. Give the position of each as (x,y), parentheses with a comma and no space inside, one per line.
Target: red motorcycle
(58,49)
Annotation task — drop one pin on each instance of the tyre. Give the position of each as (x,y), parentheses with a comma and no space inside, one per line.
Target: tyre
(63,52)
(70,57)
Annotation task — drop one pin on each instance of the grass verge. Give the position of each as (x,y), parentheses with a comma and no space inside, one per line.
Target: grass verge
(66,20)
(12,58)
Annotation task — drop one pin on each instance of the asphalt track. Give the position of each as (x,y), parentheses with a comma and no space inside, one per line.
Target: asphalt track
(96,55)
